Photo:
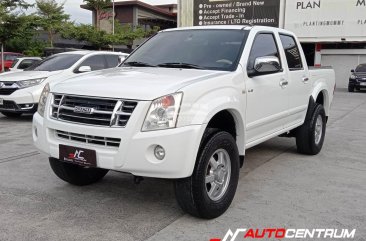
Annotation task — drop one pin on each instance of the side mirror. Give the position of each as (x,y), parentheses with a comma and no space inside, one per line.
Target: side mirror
(84,69)
(265,65)
(352,70)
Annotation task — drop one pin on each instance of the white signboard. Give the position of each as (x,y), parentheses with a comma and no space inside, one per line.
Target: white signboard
(327,20)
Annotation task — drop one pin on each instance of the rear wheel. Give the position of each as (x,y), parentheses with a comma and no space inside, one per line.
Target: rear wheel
(310,136)
(76,175)
(11,114)
(210,190)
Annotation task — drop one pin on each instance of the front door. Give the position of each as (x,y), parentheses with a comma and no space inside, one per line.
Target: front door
(267,95)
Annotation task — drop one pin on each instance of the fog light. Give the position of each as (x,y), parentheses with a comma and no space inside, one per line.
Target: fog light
(159,152)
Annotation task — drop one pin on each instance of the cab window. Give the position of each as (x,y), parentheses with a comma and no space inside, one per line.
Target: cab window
(264,45)
(292,52)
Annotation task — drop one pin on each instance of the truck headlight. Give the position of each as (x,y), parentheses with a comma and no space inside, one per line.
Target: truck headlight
(163,113)
(30,82)
(43,100)
(353,76)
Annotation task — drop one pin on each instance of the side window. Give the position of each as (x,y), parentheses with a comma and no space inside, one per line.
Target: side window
(292,52)
(112,61)
(264,45)
(96,62)
(27,63)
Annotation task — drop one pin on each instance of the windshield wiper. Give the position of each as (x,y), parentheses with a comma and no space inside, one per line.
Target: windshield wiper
(138,64)
(180,65)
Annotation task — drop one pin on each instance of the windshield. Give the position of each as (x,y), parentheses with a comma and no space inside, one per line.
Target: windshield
(56,62)
(361,68)
(199,49)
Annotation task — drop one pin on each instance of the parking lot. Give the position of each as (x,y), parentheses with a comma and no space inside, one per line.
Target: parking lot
(278,188)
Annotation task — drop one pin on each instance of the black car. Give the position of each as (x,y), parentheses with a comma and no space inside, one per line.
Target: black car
(357,80)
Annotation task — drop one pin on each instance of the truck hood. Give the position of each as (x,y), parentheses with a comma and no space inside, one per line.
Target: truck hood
(133,83)
(25,75)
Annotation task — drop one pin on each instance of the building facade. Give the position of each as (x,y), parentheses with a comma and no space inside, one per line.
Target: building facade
(332,32)
(137,13)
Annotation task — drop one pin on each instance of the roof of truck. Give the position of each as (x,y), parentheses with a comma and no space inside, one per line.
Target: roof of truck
(211,27)
(234,27)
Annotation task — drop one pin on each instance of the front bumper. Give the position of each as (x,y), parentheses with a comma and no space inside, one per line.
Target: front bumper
(135,153)
(357,83)
(12,107)
(22,100)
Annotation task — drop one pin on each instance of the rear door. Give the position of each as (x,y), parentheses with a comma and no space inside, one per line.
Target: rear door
(299,86)
(267,95)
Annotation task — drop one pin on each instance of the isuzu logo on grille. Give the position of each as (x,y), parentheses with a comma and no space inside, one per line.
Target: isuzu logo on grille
(83,110)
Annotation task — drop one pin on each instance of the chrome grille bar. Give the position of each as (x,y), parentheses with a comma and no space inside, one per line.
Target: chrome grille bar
(92,110)
(95,140)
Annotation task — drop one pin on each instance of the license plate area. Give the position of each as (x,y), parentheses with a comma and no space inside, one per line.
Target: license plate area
(363,84)
(79,156)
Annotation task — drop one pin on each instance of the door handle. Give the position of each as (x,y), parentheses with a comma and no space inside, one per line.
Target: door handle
(305,80)
(283,83)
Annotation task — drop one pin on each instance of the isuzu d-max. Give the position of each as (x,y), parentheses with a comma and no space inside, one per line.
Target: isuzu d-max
(186,105)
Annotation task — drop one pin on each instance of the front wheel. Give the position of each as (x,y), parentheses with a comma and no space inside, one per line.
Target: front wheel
(351,89)
(310,136)
(210,190)
(76,175)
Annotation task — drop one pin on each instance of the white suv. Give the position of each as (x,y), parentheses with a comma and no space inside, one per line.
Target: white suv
(20,91)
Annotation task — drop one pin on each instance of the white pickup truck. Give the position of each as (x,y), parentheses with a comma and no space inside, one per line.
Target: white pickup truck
(186,105)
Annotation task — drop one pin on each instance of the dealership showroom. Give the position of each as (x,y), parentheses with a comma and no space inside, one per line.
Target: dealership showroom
(246,123)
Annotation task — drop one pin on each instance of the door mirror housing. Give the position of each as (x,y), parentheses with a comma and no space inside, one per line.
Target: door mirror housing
(265,65)
(84,69)
(352,70)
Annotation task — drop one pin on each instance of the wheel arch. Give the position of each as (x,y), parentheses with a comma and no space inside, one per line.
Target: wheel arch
(321,96)
(229,120)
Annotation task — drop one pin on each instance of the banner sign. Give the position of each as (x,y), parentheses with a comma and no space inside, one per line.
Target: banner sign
(236,12)
(326,18)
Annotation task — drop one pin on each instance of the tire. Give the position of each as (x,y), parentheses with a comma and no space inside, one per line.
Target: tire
(202,199)
(351,89)
(76,175)
(310,136)
(11,114)
(358,88)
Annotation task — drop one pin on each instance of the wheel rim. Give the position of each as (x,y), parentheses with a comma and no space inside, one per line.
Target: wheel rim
(318,129)
(218,172)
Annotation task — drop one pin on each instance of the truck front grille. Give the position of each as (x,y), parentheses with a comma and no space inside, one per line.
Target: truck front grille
(92,110)
(94,140)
